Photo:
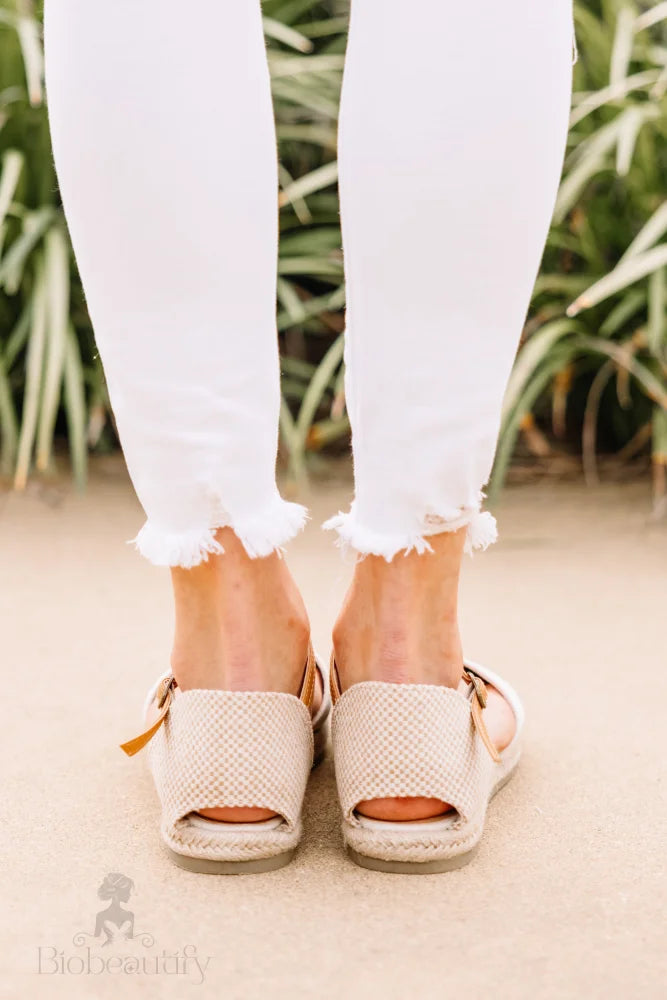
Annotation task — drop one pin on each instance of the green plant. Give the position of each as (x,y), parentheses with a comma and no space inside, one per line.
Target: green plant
(594,350)
(600,303)
(311,292)
(49,369)
(40,352)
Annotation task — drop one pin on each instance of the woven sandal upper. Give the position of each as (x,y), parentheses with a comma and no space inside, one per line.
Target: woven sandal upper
(409,740)
(233,748)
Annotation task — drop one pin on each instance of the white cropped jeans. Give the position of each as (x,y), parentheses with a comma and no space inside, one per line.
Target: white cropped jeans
(452,133)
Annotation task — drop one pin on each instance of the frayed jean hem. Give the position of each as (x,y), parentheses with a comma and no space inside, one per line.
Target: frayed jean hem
(260,534)
(482,532)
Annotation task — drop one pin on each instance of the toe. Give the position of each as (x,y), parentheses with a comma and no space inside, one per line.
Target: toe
(402,810)
(237,814)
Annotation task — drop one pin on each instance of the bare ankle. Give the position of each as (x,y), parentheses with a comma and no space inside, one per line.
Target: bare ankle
(399,621)
(240,623)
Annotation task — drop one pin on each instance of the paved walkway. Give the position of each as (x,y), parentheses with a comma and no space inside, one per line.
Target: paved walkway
(566,898)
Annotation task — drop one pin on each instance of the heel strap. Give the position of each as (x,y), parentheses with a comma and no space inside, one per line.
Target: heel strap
(164,697)
(479,699)
(233,748)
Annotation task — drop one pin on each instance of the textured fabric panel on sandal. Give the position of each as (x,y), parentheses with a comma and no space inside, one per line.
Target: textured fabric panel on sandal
(411,740)
(233,748)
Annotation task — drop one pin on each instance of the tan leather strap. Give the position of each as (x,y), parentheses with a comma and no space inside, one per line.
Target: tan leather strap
(478,703)
(310,673)
(165,695)
(334,680)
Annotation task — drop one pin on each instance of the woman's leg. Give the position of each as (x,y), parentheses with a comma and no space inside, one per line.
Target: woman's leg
(452,133)
(165,146)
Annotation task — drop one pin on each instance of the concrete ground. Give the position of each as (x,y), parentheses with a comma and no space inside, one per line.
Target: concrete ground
(566,898)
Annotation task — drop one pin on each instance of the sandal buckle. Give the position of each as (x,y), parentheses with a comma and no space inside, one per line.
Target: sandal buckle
(479,686)
(168,685)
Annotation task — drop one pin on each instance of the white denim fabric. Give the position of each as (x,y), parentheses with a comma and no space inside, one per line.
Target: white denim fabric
(452,133)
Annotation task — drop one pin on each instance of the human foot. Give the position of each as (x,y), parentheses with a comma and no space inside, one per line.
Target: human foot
(399,624)
(211,747)
(241,625)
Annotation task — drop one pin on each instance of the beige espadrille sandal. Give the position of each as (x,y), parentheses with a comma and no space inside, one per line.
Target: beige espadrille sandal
(210,749)
(419,740)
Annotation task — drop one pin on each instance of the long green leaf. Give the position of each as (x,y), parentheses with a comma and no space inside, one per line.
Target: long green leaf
(12,165)
(629,305)
(650,233)
(533,354)
(288,36)
(625,359)
(330,302)
(75,408)
(622,48)
(627,139)
(657,312)
(511,425)
(9,434)
(324,267)
(311,401)
(33,59)
(33,380)
(626,273)
(296,65)
(651,17)
(588,103)
(56,264)
(317,179)
(290,301)
(35,225)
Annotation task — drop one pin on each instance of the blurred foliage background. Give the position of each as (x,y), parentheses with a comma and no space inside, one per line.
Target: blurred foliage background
(590,376)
